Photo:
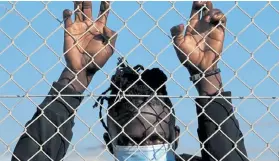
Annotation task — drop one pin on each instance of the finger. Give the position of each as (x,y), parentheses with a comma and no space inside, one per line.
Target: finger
(217,34)
(216,17)
(209,7)
(67,18)
(195,15)
(104,12)
(78,10)
(110,36)
(87,10)
(177,34)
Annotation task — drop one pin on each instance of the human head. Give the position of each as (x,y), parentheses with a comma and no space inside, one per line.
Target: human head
(145,118)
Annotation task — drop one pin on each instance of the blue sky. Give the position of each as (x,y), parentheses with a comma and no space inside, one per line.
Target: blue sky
(248,51)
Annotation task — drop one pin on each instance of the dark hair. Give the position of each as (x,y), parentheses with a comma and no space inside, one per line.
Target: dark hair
(142,87)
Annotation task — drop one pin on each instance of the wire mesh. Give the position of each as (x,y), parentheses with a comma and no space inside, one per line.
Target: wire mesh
(32,58)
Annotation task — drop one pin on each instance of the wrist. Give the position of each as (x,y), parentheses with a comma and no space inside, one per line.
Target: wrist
(209,85)
(77,82)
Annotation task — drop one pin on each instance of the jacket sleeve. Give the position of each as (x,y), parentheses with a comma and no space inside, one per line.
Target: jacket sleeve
(219,130)
(48,133)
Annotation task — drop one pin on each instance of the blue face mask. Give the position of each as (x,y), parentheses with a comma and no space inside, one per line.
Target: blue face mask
(161,152)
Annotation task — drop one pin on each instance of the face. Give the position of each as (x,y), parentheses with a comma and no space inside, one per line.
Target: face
(154,125)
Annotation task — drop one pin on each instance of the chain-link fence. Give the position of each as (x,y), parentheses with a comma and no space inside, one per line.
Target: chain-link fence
(32,58)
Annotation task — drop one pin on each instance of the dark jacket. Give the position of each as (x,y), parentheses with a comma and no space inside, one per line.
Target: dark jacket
(51,126)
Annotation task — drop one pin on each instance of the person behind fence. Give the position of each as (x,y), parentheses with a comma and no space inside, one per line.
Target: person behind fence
(141,126)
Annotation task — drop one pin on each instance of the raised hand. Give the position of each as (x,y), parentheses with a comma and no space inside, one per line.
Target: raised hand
(87,44)
(201,45)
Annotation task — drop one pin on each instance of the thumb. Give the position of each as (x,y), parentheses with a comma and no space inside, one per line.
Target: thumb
(177,34)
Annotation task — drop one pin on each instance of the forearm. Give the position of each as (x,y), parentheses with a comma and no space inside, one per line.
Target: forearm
(42,131)
(219,130)
(77,82)
(56,113)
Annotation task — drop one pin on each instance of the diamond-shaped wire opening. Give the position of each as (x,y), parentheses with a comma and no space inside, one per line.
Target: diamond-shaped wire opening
(251,140)
(141,17)
(148,7)
(19,23)
(10,124)
(37,8)
(27,68)
(244,77)
(158,46)
(46,54)
(257,7)
(45,18)
(117,9)
(146,56)
(267,127)
(19,59)
(258,36)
